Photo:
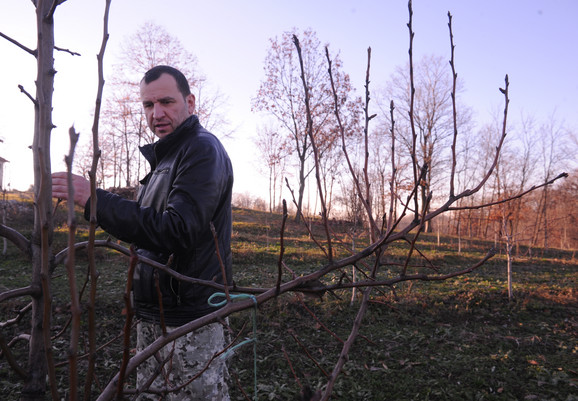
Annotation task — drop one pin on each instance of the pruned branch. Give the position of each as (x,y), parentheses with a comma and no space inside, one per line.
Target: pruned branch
(20,45)
(30,291)
(414,163)
(93,206)
(28,95)
(454,108)
(21,242)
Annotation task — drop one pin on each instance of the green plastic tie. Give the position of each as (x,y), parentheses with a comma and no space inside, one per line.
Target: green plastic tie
(231,351)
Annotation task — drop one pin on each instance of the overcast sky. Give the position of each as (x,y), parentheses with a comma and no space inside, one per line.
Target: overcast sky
(533,41)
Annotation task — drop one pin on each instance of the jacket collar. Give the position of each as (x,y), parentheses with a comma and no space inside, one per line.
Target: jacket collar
(156,150)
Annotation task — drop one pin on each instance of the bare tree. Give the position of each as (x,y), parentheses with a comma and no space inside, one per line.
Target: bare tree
(431,103)
(152,45)
(565,210)
(512,176)
(552,145)
(274,149)
(124,131)
(280,96)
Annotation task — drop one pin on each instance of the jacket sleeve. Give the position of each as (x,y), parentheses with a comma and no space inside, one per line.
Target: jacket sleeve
(201,176)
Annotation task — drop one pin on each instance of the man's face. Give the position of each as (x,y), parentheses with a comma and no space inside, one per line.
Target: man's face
(164,105)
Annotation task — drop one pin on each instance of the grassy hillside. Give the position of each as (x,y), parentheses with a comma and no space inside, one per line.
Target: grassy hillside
(455,340)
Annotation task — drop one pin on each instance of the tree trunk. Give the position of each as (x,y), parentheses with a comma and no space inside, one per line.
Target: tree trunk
(35,384)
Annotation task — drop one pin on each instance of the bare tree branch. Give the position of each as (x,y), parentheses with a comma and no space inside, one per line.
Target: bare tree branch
(93,207)
(511,198)
(28,95)
(26,49)
(72,53)
(454,109)
(414,163)
(11,358)
(21,242)
(19,292)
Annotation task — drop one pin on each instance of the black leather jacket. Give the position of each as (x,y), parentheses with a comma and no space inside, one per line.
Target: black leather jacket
(189,186)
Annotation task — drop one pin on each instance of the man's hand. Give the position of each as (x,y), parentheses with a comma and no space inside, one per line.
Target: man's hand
(81,187)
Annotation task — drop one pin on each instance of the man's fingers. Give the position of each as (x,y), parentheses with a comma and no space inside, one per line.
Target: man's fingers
(59,185)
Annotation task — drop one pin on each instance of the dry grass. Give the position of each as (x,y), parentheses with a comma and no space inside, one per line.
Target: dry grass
(461,339)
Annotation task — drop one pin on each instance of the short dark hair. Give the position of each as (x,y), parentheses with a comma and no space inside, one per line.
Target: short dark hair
(154,73)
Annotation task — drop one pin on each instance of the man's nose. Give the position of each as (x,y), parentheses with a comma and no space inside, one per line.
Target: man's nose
(158,111)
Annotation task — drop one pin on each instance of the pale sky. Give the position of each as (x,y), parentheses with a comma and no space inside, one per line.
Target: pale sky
(533,41)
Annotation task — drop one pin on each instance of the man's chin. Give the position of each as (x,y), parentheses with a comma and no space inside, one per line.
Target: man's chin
(161,133)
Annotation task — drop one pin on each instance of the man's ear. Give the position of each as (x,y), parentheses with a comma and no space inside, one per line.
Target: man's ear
(191,103)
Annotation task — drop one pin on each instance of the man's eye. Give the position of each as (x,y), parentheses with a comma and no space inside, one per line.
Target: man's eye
(147,105)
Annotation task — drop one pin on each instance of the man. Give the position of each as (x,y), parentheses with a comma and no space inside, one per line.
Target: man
(188,188)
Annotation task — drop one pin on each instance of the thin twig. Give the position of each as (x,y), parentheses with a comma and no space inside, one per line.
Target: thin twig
(282,248)
(347,345)
(331,333)
(291,366)
(454,107)
(511,198)
(304,348)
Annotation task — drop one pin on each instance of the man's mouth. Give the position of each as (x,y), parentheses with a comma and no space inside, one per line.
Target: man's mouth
(162,126)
